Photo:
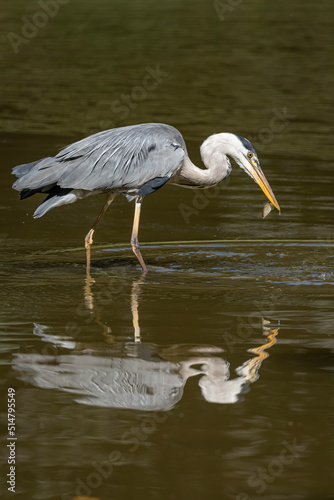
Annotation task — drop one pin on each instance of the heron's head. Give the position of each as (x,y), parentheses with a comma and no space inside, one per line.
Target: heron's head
(246,157)
(242,151)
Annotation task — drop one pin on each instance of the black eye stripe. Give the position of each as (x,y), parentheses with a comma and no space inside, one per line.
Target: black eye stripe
(247,145)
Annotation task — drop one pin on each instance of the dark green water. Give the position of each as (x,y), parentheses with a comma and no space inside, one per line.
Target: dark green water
(211,377)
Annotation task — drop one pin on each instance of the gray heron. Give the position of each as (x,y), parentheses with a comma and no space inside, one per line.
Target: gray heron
(134,161)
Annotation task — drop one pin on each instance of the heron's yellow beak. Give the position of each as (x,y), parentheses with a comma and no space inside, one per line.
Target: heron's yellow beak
(256,173)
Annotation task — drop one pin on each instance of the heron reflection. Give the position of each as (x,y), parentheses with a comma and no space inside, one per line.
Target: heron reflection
(135,374)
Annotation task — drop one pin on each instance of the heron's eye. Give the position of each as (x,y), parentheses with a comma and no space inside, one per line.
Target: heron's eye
(250,155)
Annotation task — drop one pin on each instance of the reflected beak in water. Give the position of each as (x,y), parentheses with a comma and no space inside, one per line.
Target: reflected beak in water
(256,173)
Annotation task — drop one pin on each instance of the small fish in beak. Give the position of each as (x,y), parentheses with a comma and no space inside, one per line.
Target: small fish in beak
(267,208)
(257,174)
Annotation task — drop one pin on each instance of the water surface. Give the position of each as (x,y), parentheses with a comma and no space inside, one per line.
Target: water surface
(212,375)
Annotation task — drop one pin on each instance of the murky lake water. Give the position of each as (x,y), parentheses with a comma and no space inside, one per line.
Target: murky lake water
(212,375)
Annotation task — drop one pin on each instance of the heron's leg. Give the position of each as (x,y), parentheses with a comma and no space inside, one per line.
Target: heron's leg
(134,236)
(89,236)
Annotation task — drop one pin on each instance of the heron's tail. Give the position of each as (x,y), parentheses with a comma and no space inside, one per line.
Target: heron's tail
(25,168)
(57,197)
(41,177)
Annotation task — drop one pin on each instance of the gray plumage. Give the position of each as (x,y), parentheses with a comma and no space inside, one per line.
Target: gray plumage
(122,160)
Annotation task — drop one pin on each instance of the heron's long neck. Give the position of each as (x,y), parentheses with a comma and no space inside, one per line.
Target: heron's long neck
(217,168)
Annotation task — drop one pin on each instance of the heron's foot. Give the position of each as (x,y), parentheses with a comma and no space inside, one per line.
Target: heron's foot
(89,239)
(136,251)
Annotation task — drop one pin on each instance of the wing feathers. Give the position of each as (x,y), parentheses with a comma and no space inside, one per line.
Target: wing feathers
(121,159)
